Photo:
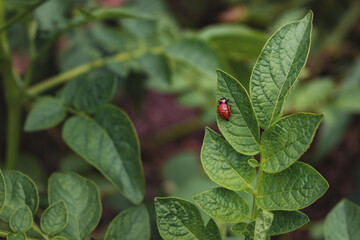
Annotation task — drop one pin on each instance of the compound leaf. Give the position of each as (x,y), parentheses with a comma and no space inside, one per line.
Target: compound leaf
(110,144)
(223,204)
(223,164)
(285,141)
(343,221)
(46,113)
(131,224)
(20,191)
(242,130)
(178,219)
(296,187)
(54,218)
(278,67)
(21,220)
(82,198)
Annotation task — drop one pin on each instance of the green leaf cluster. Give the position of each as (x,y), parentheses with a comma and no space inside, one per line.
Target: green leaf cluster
(283,185)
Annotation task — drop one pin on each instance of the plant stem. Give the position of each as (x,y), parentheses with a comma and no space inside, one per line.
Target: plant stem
(254,208)
(12,97)
(64,77)
(38,230)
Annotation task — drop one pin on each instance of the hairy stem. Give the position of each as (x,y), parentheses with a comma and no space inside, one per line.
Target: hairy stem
(12,97)
(66,76)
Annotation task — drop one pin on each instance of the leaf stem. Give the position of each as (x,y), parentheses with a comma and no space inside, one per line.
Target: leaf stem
(36,228)
(259,176)
(12,97)
(66,76)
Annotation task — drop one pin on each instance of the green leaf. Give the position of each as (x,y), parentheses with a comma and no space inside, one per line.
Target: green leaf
(249,231)
(223,204)
(285,141)
(296,187)
(223,164)
(89,94)
(195,53)
(277,69)
(131,224)
(242,130)
(110,144)
(212,231)
(17,236)
(20,191)
(21,219)
(253,163)
(58,238)
(46,113)
(287,221)
(82,198)
(2,191)
(262,224)
(235,41)
(157,69)
(178,219)
(120,12)
(239,229)
(343,222)
(54,218)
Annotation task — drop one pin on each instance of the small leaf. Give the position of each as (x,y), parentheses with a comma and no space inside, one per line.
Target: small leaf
(17,236)
(54,218)
(223,204)
(253,163)
(21,219)
(277,69)
(58,238)
(249,231)
(343,222)
(296,187)
(82,198)
(119,12)
(285,141)
(46,113)
(242,130)
(287,221)
(223,164)
(89,94)
(212,231)
(239,229)
(110,144)
(157,69)
(262,224)
(131,224)
(20,191)
(179,219)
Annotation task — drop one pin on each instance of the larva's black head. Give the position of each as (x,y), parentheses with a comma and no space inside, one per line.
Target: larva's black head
(223,100)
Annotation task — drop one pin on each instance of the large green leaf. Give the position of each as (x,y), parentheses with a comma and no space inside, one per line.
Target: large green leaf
(178,219)
(296,187)
(286,140)
(287,221)
(54,218)
(131,224)
(82,198)
(224,165)
(242,130)
(46,113)
(109,143)
(278,67)
(21,219)
(343,222)
(262,224)
(89,94)
(223,204)
(212,231)
(20,191)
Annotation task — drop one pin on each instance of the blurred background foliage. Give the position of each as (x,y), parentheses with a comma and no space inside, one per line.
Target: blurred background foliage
(164,54)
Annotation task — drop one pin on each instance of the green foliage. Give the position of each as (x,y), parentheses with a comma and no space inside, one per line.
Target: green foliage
(46,113)
(16,236)
(54,218)
(283,185)
(212,230)
(21,220)
(343,221)
(131,224)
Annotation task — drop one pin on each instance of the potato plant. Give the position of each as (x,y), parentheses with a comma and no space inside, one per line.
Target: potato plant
(242,154)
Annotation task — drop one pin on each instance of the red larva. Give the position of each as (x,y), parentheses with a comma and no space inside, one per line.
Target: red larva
(224,109)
